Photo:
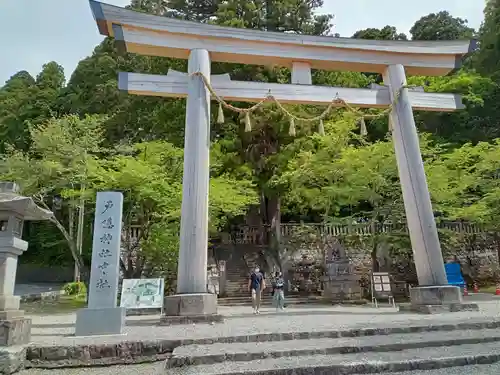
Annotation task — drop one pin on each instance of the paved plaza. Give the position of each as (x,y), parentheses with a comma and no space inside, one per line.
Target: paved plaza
(56,331)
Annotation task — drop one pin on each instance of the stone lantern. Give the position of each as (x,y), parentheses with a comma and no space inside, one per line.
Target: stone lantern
(14,328)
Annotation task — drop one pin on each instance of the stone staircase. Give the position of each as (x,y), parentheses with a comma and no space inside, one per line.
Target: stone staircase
(238,270)
(236,285)
(454,348)
(237,278)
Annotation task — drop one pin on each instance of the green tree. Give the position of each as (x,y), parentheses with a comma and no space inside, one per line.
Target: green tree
(488,58)
(25,102)
(386,33)
(57,164)
(14,99)
(192,10)
(441,26)
(478,122)
(67,154)
(157,7)
(466,183)
(93,89)
(151,180)
(282,16)
(44,94)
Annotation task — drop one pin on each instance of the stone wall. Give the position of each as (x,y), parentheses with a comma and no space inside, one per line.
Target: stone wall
(477,253)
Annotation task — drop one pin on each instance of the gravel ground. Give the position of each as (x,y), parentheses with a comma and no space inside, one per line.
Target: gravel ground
(58,329)
(467,370)
(157,369)
(148,369)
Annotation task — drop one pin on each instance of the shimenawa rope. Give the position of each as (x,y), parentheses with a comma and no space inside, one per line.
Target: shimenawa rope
(337,101)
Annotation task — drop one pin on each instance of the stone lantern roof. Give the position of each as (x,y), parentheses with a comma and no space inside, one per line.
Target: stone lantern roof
(11,200)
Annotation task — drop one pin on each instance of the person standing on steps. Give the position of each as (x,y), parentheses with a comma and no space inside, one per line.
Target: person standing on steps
(279,291)
(256,284)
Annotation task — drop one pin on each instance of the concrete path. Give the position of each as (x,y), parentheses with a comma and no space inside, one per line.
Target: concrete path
(58,329)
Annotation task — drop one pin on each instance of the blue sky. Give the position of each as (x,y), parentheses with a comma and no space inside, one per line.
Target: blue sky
(33,32)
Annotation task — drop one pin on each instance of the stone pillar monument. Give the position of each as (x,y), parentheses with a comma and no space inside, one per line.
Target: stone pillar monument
(103,316)
(340,282)
(15,329)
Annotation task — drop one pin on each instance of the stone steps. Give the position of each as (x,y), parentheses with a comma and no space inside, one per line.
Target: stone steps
(351,352)
(241,352)
(355,363)
(236,279)
(159,344)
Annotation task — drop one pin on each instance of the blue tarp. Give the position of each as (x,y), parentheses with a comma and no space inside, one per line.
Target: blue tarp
(454,274)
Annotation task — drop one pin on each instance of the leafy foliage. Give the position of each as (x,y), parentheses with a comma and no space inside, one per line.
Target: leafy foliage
(386,33)
(75,289)
(441,26)
(488,57)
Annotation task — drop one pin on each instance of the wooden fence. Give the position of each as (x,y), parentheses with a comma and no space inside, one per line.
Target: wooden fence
(253,235)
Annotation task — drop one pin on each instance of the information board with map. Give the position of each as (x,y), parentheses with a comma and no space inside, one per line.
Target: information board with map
(142,293)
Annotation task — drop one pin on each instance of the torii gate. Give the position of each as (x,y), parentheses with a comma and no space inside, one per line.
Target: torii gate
(202,43)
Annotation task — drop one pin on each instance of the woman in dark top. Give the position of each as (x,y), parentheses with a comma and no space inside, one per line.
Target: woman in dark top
(256,284)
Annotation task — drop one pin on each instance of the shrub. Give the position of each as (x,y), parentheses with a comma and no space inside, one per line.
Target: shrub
(75,289)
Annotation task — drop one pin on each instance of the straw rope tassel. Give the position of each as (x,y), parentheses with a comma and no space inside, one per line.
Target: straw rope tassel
(362,125)
(321,128)
(291,130)
(220,116)
(248,122)
(270,98)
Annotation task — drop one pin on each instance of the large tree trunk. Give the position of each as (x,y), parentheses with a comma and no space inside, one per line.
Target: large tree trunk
(271,220)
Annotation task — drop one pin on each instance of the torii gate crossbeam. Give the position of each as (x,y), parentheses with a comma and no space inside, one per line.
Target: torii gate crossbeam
(201,43)
(175,84)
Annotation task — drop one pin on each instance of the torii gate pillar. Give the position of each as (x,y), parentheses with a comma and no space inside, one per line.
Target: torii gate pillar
(433,290)
(192,303)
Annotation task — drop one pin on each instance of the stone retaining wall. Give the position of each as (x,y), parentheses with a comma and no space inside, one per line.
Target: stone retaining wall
(477,253)
(126,352)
